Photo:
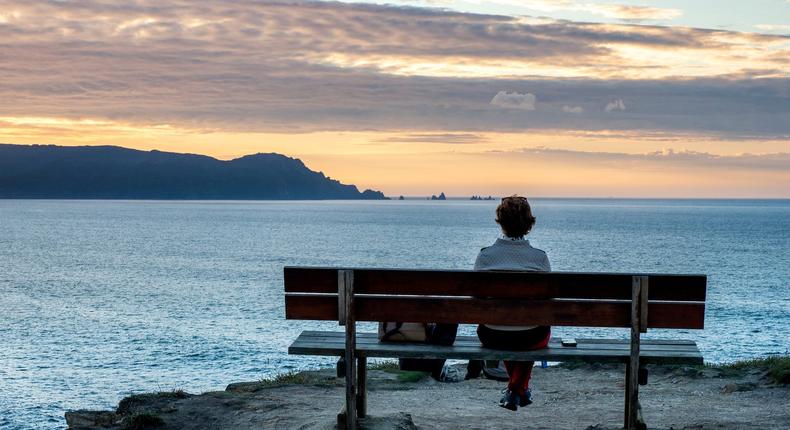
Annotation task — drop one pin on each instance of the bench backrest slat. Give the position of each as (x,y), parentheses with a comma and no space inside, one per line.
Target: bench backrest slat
(611,313)
(506,298)
(496,284)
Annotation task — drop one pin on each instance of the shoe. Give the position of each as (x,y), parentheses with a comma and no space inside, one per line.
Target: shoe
(510,401)
(526,399)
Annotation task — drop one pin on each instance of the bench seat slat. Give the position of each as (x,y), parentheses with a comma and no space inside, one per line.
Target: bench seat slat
(463,342)
(468,347)
(309,334)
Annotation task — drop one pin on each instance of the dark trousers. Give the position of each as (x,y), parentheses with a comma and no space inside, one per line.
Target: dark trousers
(519,372)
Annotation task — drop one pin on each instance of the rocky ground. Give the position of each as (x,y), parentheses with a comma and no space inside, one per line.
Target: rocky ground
(581,397)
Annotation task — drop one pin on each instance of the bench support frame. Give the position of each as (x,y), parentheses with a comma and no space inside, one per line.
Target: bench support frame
(356,365)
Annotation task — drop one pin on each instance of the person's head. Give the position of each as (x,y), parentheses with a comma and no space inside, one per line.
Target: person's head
(515,216)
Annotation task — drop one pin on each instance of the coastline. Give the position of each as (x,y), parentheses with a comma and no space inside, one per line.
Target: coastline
(744,395)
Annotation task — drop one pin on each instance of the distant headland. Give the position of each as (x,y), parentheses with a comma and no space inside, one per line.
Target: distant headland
(112,172)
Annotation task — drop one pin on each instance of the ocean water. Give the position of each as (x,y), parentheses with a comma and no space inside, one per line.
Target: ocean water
(100,299)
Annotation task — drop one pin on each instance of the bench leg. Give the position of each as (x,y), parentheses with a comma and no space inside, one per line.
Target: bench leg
(633,418)
(627,412)
(347,318)
(351,391)
(362,395)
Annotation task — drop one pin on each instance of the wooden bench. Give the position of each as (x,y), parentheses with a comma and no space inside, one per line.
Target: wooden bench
(635,301)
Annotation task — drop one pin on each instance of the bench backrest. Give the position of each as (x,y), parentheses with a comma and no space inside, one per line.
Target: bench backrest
(507,298)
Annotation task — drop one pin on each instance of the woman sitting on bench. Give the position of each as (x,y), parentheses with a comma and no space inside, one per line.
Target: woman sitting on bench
(513,252)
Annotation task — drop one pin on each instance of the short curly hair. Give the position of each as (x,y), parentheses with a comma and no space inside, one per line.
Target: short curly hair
(515,216)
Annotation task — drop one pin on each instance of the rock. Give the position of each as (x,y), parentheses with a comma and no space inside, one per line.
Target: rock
(733,387)
(729,388)
(244,387)
(85,420)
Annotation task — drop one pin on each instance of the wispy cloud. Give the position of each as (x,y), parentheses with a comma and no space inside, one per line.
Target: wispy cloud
(572,109)
(448,138)
(779,162)
(778,28)
(616,11)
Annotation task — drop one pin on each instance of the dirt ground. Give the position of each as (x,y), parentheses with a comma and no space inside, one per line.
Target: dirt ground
(586,397)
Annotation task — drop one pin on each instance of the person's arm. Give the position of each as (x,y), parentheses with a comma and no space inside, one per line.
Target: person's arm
(546,262)
(480,261)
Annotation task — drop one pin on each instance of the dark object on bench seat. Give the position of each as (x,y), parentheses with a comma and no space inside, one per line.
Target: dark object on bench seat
(635,301)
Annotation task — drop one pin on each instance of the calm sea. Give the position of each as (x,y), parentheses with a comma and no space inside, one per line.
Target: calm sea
(100,299)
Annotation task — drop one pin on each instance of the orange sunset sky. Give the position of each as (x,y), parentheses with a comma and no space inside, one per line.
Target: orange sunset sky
(564,98)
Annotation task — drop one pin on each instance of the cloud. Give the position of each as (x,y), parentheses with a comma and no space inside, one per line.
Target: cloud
(778,162)
(301,66)
(634,13)
(615,11)
(778,28)
(449,138)
(572,109)
(514,100)
(614,105)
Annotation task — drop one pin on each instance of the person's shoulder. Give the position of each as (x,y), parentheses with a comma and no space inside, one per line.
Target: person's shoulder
(489,247)
(541,253)
(539,250)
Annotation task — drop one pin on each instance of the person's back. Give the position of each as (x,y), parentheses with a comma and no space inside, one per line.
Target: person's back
(514,252)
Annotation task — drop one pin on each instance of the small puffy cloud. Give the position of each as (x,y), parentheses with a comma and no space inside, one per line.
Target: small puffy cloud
(615,105)
(514,100)
(572,109)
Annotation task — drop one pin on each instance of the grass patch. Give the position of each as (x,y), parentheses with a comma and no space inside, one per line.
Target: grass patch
(129,404)
(308,377)
(288,378)
(384,365)
(409,376)
(777,368)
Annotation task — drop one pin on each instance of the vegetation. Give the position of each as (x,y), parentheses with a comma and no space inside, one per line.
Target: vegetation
(777,368)
(297,378)
(408,375)
(288,378)
(384,365)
